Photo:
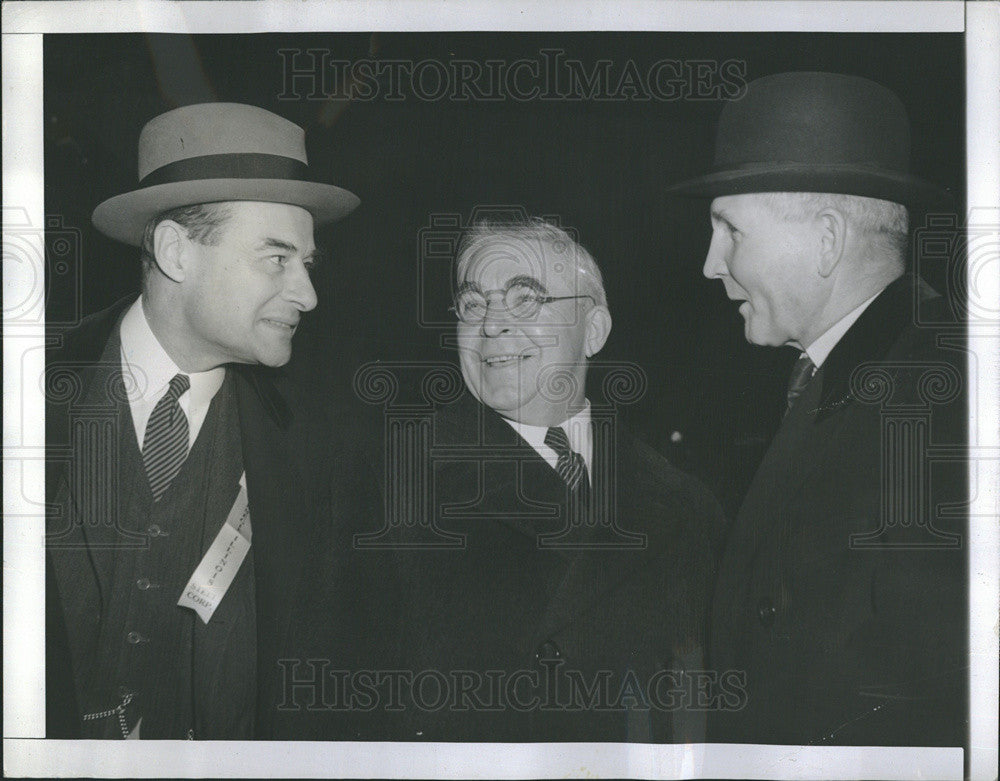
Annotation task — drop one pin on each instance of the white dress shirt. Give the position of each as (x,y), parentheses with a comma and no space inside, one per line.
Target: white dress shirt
(577,428)
(151,369)
(819,350)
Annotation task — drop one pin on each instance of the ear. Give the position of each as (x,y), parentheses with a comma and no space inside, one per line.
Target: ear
(833,236)
(171,249)
(598,329)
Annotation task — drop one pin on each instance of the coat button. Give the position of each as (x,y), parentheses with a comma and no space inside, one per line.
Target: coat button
(548,650)
(766,611)
(143,584)
(134,638)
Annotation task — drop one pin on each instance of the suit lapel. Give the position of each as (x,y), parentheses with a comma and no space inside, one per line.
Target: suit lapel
(91,487)
(783,468)
(528,492)
(588,574)
(605,556)
(281,517)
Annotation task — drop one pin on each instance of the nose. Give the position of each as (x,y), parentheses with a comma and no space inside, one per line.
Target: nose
(299,289)
(715,264)
(496,321)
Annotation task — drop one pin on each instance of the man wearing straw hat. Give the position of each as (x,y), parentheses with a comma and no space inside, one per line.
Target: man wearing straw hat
(841,593)
(180,515)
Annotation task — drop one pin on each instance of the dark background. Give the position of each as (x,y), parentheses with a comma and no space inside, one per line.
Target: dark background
(600,166)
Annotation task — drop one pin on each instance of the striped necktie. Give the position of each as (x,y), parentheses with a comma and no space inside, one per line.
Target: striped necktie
(802,372)
(570,466)
(165,444)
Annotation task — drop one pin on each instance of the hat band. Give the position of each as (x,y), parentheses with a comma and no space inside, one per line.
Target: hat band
(780,165)
(232,165)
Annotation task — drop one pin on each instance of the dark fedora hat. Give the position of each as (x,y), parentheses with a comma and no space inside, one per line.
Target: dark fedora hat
(219,152)
(815,132)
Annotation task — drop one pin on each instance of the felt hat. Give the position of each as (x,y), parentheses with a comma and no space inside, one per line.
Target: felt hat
(212,152)
(815,132)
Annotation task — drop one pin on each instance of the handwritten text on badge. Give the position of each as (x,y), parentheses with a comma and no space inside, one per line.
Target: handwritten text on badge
(215,573)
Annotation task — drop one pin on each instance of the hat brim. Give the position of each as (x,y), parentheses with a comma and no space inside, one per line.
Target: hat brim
(124,216)
(901,188)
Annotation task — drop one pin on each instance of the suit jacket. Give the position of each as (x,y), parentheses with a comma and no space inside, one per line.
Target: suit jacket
(84,384)
(519,625)
(841,594)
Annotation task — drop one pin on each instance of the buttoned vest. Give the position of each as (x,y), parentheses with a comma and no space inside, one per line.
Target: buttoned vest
(154,660)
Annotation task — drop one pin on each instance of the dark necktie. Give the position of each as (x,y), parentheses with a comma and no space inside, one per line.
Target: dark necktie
(802,372)
(570,466)
(165,444)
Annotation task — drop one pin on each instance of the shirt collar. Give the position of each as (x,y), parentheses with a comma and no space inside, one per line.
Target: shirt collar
(823,346)
(577,429)
(152,368)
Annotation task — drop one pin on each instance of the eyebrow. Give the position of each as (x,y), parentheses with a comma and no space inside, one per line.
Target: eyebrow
(271,243)
(521,279)
(524,279)
(720,216)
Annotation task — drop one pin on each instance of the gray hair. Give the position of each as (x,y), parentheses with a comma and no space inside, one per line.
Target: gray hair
(885,223)
(534,228)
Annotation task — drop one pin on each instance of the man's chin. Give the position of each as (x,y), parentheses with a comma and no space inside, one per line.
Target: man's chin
(761,340)
(507,403)
(273,360)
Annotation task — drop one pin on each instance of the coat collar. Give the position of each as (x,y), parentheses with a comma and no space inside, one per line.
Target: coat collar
(262,381)
(869,339)
(86,343)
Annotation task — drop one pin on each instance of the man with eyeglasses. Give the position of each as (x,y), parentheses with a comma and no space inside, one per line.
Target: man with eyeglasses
(573,593)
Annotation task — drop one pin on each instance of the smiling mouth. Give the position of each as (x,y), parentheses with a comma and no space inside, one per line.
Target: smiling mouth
(496,361)
(281,325)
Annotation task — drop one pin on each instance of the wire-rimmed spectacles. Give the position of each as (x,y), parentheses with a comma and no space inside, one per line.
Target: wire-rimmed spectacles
(521,301)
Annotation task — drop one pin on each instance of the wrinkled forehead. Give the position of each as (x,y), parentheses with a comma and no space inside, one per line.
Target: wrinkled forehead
(493,261)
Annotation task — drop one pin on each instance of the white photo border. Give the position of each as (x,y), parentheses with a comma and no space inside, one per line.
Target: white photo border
(27,755)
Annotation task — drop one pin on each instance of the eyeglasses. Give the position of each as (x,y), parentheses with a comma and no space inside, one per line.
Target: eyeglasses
(522,302)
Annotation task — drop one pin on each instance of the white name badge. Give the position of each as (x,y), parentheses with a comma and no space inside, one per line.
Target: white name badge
(215,573)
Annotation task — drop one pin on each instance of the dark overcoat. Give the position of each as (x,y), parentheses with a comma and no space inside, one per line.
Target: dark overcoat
(521,625)
(84,393)
(842,593)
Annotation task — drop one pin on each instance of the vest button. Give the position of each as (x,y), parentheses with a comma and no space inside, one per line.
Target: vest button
(143,584)
(135,638)
(766,611)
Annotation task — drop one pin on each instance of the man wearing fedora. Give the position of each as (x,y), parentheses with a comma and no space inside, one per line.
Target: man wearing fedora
(180,514)
(841,594)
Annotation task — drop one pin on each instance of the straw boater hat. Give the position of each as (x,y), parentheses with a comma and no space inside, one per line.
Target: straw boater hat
(815,132)
(219,152)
